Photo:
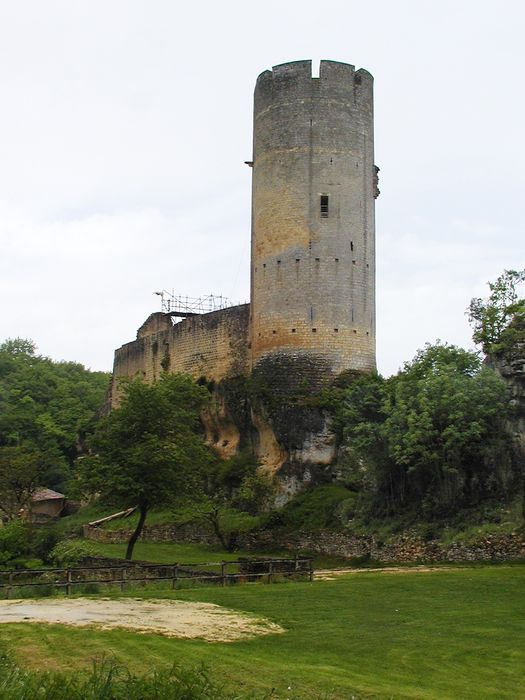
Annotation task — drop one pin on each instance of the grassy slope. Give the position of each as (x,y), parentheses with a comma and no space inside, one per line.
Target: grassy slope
(446,634)
(169,553)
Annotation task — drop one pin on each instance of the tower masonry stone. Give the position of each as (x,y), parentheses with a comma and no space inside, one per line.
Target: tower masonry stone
(313,230)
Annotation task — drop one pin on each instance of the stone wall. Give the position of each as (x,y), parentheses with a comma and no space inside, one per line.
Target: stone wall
(213,345)
(406,548)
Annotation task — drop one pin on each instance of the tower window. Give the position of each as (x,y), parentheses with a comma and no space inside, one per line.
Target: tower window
(314,330)
(324,206)
(351,245)
(293,330)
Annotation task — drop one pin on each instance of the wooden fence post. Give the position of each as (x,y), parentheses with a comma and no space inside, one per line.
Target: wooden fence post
(122,578)
(10,585)
(311,566)
(175,575)
(223,579)
(270,571)
(69,582)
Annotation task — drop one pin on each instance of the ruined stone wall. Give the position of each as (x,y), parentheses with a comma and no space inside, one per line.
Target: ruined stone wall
(405,548)
(213,345)
(312,274)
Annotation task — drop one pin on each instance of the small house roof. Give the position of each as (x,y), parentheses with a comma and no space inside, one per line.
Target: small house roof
(46,495)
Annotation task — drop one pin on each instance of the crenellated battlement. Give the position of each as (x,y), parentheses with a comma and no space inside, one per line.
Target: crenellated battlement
(298,75)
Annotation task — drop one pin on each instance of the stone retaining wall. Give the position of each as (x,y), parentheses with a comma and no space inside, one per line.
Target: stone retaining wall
(404,549)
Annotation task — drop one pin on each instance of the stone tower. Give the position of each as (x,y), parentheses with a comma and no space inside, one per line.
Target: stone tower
(313,233)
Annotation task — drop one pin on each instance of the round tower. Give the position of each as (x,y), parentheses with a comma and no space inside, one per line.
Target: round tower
(314,185)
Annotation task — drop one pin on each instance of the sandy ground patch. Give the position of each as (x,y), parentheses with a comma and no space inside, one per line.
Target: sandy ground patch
(330,574)
(173,618)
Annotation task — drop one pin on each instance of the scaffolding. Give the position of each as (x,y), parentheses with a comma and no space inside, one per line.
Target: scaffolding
(183,306)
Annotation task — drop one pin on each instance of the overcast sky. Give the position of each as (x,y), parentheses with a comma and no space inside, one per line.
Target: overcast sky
(124,125)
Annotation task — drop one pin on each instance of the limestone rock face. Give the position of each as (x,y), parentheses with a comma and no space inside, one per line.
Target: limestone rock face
(511,368)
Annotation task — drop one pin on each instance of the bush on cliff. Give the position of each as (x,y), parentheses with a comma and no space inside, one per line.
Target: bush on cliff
(431,439)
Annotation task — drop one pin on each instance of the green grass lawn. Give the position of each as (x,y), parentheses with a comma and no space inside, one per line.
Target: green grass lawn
(169,553)
(448,634)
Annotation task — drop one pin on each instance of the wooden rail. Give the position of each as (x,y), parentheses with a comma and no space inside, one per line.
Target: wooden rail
(125,575)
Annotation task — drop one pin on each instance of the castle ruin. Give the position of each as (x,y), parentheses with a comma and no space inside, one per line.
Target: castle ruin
(312,310)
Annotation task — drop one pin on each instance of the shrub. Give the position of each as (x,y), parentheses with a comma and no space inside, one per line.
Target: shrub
(14,539)
(316,509)
(43,591)
(70,551)
(108,679)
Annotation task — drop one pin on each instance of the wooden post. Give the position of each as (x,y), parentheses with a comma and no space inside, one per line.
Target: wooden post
(10,585)
(296,562)
(311,566)
(175,575)
(223,579)
(69,582)
(270,571)
(122,578)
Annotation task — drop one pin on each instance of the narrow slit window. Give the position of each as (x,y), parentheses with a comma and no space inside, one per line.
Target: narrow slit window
(324,206)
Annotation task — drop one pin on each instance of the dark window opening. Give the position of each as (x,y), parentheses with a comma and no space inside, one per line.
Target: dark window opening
(278,262)
(351,245)
(336,330)
(264,264)
(353,262)
(274,332)
(324,206)
(314,330)
(293,330)
(317,259)
(337,259)
(297,259)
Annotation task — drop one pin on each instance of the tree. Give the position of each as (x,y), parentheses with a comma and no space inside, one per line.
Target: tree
(150,449)
(215,511)
(48,407)
(432,438)
(494,317)
(20,474)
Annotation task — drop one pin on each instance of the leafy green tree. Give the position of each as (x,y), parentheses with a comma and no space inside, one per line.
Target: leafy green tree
(47,407)
(433,437)
(14,538)
(149,450)
(215,511)
(20,475)
(494,319)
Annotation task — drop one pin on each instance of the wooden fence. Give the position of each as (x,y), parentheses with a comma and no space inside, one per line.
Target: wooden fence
(129,574)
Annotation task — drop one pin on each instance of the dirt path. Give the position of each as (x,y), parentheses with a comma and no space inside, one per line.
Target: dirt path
(172,618)
(330,574)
